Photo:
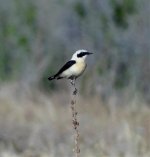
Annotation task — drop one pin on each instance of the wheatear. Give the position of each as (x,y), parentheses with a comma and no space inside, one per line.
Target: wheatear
(73,68)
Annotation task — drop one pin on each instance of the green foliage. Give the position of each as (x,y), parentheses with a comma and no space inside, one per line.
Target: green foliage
(104,21)
(121,12)
(5,66)
(122,76)
(130,6)
(100,70)
(10,64)
(27,13)
(23,41)
(32,31)
(104,66)
(14,40)
(9,30)
(80,10)
(45,83)
(30,15)
(120,16)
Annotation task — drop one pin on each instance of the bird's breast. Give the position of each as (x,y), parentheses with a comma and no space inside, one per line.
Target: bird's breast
(75,70)
(78,68)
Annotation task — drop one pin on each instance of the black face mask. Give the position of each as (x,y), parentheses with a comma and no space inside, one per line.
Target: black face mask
(83,54)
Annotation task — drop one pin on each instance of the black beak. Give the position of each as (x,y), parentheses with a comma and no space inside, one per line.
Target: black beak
(88,53)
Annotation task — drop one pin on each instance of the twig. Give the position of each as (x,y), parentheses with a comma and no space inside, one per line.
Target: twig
(75,121)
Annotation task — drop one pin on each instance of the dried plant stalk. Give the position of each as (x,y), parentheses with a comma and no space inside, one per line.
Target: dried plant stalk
(75,122)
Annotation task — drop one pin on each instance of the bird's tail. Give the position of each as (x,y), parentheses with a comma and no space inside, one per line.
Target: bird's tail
(52,78)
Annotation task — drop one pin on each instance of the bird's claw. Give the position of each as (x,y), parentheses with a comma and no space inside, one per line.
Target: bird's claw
(72,82)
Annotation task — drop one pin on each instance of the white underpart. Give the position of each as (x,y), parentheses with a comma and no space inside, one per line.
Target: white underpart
(75,70)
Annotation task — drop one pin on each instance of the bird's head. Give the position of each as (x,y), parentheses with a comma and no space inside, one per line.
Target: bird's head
(80,55)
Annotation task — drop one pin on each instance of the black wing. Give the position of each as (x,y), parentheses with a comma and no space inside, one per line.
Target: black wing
(65,67)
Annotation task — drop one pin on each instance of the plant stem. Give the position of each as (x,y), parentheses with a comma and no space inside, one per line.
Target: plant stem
(75,122)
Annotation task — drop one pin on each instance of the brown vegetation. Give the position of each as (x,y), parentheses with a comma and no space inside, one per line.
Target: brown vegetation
(40,125)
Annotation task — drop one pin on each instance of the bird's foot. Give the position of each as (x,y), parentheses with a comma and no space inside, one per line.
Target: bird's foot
(72,82)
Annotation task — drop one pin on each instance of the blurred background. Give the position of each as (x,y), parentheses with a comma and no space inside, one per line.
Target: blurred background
(36,38)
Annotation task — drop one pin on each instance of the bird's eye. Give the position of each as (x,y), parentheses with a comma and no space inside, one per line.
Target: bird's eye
(81,54)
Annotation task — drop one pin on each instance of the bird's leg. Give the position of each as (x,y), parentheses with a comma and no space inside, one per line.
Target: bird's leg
(72,82)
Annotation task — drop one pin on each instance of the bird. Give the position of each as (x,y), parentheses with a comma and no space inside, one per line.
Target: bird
(73,68)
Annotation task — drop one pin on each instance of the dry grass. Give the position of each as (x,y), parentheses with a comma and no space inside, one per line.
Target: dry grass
(37,125)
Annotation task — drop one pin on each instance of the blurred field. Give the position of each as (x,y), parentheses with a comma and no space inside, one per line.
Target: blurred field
(39,125)
(36,38)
